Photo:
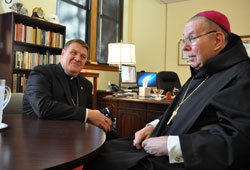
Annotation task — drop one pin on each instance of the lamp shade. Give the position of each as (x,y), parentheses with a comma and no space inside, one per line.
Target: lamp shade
(121,53)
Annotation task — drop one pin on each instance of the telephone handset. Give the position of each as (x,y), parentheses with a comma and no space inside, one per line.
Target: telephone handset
(114,87)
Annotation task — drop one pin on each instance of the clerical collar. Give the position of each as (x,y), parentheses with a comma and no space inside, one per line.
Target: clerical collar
(69,77)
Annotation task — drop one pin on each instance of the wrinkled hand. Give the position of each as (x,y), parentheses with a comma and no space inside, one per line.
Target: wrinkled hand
(98,119)
(156,146)
(142,135)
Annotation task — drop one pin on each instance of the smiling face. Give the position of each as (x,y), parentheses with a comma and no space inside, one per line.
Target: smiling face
(73,58)
(210,42)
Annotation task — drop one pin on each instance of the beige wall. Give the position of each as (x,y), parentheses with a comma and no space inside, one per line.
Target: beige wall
(48,6)
(155,24)
(237,12)
(155,28)
(147,31)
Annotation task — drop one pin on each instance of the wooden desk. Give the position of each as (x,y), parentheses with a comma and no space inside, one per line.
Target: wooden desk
(132,114)
(29,143)
(95,76)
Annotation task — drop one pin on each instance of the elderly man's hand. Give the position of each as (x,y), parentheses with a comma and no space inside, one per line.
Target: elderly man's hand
(156,146)
(98,119)
(142,135)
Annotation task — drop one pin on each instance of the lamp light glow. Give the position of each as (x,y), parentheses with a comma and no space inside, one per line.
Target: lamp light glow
(118,54)
(121,53)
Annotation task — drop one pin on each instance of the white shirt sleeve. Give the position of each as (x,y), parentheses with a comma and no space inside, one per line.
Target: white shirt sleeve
(154,122)
(174,150)
(86,115)
(174,146)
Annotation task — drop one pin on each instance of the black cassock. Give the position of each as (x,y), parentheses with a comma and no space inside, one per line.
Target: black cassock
(213,124)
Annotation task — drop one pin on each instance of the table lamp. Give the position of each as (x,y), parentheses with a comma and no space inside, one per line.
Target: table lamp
(118,54)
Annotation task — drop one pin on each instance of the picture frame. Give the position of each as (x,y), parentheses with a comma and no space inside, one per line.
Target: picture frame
(182,57)
(246,42)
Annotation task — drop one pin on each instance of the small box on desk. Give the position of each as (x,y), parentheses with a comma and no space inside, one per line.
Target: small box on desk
(144,91)
(131,95)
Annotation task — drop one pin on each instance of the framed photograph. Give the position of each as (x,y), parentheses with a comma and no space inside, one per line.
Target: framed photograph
(246,42)
(182,58)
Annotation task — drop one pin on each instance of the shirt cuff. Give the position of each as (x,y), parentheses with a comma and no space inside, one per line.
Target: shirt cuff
(86,115)
(154,122)
(174,150)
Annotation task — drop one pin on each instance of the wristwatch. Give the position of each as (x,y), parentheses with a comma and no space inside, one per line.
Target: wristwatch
(38,12)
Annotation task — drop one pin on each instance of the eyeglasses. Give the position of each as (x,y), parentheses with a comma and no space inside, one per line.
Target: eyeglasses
(190,40)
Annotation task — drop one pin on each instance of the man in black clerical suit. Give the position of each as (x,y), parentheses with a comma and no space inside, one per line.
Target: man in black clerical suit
(60,92)
(207,125)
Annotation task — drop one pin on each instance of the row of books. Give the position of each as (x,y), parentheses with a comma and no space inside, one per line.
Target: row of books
(19,82)
(28,34)
(26,60)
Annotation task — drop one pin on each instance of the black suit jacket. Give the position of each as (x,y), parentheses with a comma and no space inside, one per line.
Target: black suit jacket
(48,94)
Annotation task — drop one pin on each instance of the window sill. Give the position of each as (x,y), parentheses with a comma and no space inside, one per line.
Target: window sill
(101,67)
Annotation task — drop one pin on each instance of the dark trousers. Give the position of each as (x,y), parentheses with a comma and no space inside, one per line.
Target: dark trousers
(113,134)
(120,154)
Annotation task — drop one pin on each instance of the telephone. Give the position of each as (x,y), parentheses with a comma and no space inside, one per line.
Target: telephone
(108,113)
(114,88)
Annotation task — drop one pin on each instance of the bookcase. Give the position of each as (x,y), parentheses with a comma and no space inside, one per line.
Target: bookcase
(24,43)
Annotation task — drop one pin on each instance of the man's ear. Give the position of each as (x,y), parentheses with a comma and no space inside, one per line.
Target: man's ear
(220,41)
(63,51)
(62,54)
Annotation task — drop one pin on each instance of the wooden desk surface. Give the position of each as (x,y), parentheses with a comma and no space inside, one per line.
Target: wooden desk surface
(138,99)
(30,143)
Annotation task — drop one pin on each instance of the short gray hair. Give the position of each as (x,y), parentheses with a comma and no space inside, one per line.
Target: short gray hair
(79,41)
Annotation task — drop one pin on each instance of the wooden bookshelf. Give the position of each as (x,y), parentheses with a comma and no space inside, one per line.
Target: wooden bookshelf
(10,44)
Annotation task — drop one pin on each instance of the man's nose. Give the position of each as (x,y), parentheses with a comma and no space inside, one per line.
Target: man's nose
(186,47)
(78,57)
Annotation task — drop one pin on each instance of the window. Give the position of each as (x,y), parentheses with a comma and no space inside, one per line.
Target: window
(74,14)
(109,21)
(98,22)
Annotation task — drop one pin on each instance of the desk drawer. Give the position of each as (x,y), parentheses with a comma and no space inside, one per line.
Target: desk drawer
(131,105)
(156,107)
(129,121)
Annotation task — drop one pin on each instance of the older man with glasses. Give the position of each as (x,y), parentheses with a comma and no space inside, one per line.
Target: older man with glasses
(207,125)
